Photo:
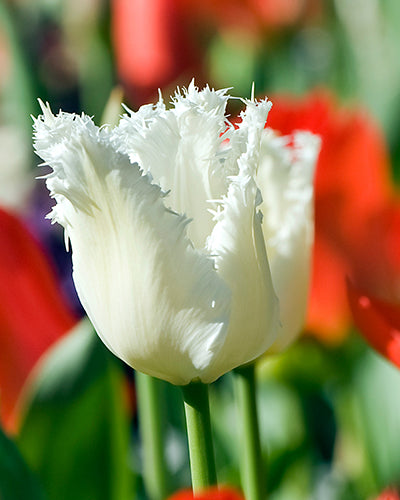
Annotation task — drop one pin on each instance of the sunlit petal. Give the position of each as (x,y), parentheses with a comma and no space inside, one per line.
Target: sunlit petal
(154,300)
(241,258)
(168,144)
(285,177)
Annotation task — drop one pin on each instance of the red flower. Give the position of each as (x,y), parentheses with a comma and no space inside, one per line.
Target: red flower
(162,43)
(32,312)
(379,321)
(254,16)
(154,46)
(389,494)
(374,287)
(214,493)
(352,193)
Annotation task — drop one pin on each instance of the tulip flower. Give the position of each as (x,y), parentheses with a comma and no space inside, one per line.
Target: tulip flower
(155,53)
(33,315)
(171,44)
(373,287)
(378,321)
(255,16)
(223,493)
(389,494)
(172,256)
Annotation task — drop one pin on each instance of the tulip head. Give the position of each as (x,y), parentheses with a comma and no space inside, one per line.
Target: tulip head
(163,215)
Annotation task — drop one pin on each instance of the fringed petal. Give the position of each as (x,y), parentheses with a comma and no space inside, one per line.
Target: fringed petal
(285,178)
(180,147)
(155,301)
(241,259)
(238,243)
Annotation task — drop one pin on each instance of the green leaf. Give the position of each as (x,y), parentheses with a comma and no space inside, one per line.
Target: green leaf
(376,409)
(17,482)
(76,430)
(16,97)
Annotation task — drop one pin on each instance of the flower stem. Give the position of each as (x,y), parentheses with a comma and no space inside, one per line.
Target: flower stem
(253,475)
(201,450)
(148,390)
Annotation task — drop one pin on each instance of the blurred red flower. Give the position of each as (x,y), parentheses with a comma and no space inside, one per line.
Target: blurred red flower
(32,312)
(214,493)
(162,43)
(254,15)
(389,494)
(154,46)
(374,287)
(379,322)
(352,194)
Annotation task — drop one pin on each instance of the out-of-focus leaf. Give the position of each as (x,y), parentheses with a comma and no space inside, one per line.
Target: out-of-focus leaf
(17,100)
(17,482)
(370,425)
(175,439)
(96,67)
(75,431)
(113,108)
(281,423)
(378,409)
(232,62)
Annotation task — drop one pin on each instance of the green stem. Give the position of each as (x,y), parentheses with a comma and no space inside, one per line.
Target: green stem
(253,475)
(148,391)
(201,451)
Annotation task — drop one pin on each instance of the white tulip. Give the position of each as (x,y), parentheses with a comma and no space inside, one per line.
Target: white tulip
(170,249)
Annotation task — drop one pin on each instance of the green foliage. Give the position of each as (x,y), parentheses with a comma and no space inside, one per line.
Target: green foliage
(75,430)
(17,482)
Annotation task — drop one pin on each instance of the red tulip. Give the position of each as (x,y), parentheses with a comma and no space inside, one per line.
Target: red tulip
(154,46)
(251,15)
(374,287)
(353,189)
(162,43)
(214,493)
(32,312)
(389,494)
(379,321)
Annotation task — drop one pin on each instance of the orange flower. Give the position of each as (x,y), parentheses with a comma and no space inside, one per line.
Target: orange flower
(352,192)
(32,312)
(214,493)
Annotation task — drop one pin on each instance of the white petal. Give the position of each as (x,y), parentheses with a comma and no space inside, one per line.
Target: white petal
(285,177)
(245,139)
(179,147)
(242,262)
(155,301)
(238,243)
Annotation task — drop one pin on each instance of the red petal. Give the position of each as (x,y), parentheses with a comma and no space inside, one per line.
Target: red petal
(378,321)
(328,313)
(153,46)
(223,493)
(389,494)
(376,254)
(32,312)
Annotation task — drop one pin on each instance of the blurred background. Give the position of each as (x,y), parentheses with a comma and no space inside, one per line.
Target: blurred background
(329,406)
